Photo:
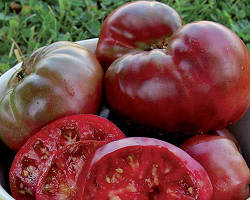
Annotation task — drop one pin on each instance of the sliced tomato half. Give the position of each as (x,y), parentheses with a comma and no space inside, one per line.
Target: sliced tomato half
(143,169)
(31,158)
(58,179)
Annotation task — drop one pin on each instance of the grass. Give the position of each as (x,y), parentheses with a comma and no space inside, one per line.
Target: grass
(26,25)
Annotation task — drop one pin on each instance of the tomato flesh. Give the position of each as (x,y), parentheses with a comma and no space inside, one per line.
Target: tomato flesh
(143,168)
(58,179)
(32,157)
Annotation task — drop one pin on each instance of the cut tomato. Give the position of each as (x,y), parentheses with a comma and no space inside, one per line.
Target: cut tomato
(224,164)
(31,158)
(58,178)
(143,169)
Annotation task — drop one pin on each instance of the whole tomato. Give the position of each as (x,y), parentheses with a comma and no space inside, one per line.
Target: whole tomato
(226,168)
(190,78)
(227,134)
(58,80)
(140,25)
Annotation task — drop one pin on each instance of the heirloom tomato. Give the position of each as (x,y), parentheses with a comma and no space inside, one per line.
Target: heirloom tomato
(57,180)
(141,25)
(33,156)
(177,78)
(142,169)
(57,80)
(227,170)
(227,134)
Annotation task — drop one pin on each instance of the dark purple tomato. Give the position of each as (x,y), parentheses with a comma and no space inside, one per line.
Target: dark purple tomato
(55,81)
(140,25)
(200,82)
(227,170)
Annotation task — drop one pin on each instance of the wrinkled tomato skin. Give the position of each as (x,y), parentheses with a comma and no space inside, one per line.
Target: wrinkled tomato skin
(134,162)
(58,80)
(135,26)
(201,83)
(227,170)
(33,155)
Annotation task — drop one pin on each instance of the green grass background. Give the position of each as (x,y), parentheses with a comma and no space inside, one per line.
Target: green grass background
(29,24)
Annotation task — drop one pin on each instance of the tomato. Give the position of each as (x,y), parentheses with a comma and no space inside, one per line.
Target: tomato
(143,168)
(58,178)
(32,157)
(58,80)
(227,134)
(228,171)
(139,25)
(195,78)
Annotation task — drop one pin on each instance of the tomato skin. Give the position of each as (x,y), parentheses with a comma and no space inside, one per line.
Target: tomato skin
(135,26)
(58,80)
(227,170)
(62,170)
(132,158)
(32,156)
(227,134)
(200,83)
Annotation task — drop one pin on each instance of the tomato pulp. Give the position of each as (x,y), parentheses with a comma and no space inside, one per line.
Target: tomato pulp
(142,169)
(33,155)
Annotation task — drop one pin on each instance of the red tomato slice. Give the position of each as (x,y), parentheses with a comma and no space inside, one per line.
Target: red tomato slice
(143,169)
(33,155)
(58,179)
(228,171)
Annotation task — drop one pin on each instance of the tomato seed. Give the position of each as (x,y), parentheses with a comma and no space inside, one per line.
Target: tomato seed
(25,173)
(190,190)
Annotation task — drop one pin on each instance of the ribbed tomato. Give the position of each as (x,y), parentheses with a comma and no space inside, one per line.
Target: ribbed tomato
(194,77)
(57,80)
(227,170)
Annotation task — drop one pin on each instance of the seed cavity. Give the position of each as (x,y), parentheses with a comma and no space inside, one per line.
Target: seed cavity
(70,135)
(41,149)
(24,189)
